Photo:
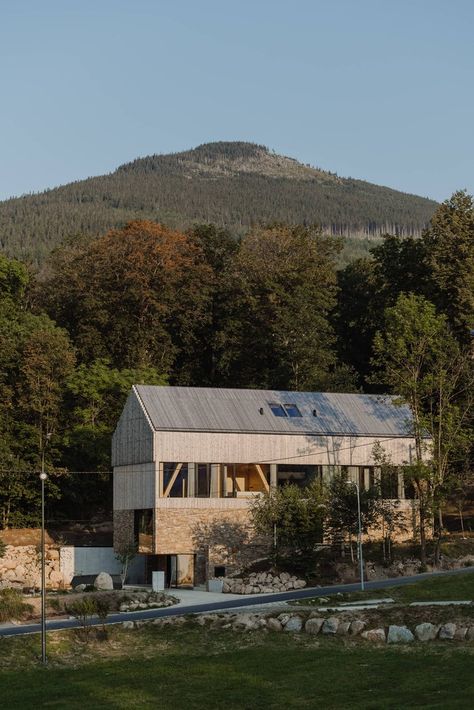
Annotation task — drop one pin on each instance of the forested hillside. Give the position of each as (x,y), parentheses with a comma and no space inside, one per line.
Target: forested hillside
(232,184)
(149,304)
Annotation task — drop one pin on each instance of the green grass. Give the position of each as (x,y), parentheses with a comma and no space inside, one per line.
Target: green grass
(197,669)
(456,587)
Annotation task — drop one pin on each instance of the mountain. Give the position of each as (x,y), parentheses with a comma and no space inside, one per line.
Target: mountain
(232,184)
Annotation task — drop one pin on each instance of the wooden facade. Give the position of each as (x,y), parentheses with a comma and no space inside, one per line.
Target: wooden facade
(188,476)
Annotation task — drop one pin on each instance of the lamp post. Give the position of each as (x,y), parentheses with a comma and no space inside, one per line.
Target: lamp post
(43,477)
(359,536)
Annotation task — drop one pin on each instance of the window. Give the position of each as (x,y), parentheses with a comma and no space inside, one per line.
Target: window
(284,410)
(143,529)
(292,410)
(203,480)
(277,409)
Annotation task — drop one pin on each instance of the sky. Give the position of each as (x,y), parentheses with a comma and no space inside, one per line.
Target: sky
(380,90)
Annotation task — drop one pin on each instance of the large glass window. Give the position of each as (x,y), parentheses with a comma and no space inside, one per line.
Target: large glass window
(297,474)
(143,530)
(175,480)
(203,480)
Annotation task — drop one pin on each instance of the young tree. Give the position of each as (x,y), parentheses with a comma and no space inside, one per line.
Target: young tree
(421,361)
(292,519)
(342,518)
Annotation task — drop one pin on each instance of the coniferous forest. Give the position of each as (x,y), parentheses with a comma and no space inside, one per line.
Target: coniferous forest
(201,305)
(233,185)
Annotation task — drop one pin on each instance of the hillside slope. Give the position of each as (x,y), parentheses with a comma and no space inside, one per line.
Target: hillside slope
(233,184)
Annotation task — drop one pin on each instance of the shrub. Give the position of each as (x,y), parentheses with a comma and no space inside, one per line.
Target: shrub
(84,609)
(103,607)
(12,605)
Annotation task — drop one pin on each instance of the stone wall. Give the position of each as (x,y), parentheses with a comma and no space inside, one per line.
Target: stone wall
(21,567)
(224,537)
(124,534)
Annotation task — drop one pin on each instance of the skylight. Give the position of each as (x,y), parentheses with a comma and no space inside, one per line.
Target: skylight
(277,409)
(284,410)
(292,410)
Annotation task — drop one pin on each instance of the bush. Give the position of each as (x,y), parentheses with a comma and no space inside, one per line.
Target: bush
(84,609)
(12,605)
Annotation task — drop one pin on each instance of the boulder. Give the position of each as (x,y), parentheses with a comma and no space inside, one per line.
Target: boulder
(284,618)
(375,635)
(343,628)
(104,582)
(356,627)
(330,625)
(447,631)
(426,632)
(470,634)
(274,624)
(80,588)
(128,624)
(399,634)
(299,584)
(460,633)
(294,623)
(313,625)
(245,622)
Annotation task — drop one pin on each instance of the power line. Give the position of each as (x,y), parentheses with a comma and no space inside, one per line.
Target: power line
(323,453)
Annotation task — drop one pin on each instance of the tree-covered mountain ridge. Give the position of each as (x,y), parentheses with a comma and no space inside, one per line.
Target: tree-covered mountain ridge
(232,184)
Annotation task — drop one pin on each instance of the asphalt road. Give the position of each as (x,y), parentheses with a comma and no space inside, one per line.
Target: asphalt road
(246,601)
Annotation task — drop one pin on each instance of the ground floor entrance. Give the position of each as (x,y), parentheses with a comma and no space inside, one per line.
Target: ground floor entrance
(179,569)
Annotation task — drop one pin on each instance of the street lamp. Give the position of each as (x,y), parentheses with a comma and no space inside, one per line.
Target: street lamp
(359,536)
(43,478)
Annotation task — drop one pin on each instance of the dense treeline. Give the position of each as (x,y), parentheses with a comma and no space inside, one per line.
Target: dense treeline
(233,185)
(147,303)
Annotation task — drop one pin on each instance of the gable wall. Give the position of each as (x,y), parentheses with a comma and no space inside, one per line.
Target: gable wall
(132,442)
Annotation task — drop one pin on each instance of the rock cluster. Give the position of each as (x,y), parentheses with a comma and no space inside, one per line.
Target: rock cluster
(329,626)
(263,583)
(21,567)
(140,601)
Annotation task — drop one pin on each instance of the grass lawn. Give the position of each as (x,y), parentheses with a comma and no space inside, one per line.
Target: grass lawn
(456,587)
(196,668)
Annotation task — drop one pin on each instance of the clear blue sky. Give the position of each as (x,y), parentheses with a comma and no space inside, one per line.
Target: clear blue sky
(375,89)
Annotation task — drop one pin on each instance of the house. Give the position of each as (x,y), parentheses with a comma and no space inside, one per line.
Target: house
(188,460)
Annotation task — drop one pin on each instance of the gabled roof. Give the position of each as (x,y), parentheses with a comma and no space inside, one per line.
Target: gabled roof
(210,409)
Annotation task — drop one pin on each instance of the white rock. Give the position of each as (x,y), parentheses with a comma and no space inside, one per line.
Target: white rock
(313,625)
(399,634)
(294,623)
(299,584)
(376,635)
(330,625)
(426,632)
(274,624)
(104,582)
(343,628)
(356,627)
(447,631)
(128,624)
